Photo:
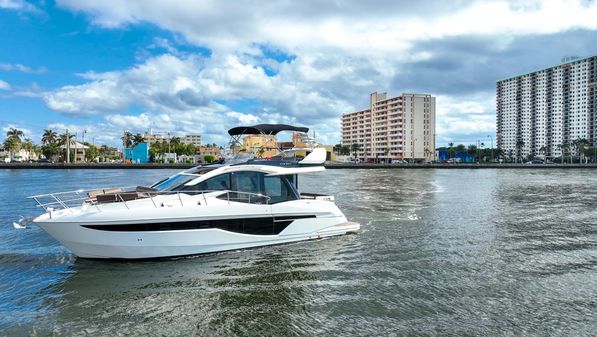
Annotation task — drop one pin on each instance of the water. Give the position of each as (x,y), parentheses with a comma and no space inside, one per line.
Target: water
(441,252)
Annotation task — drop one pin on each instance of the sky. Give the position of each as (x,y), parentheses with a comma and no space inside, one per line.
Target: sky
(203,67)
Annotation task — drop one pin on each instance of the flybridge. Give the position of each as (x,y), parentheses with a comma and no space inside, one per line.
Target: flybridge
(313,153)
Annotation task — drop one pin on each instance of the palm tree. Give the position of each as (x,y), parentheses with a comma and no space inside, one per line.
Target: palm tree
(450,145)
(355,148)
(581,145)
(49,137)
(337,148)
(563,147)
(12,144)
(138,139)
(545,151)
(519,146)
(260,152)
(15,133)
(127,139)
(28,144)
(175,141)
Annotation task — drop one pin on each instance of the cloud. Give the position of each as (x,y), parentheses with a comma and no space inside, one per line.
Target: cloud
(357,28)
(162,83)
(4,85)
(22,68)
(19,5)
(308,62)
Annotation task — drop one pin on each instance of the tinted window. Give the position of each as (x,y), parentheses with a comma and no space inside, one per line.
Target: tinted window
(248,181)
(278,189)
(217,183)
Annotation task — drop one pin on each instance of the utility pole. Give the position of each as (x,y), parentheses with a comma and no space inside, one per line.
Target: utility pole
(84,132)
(491,138)
(67,147)
(76,148)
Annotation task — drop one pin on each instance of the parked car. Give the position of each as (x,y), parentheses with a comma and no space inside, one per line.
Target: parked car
(535,161)
(399,162)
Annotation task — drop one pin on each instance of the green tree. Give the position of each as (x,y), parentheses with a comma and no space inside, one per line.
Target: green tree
(581,146)
(12,144)
(15,133)
(51,150)
(337,148)
(345,150)
(519,146)
(49,137)
(137,139)
(563,147)
(92,152)
(208,158)
(260,152)
(355,148)
(450,153)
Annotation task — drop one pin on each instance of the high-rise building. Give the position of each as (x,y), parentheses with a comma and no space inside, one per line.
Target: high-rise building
(545,111)
(401,127)
(192,140)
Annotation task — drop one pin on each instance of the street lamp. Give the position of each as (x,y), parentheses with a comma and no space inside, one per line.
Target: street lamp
(491,138)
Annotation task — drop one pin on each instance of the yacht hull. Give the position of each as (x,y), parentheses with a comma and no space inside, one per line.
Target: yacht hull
(88,234)
(136,245)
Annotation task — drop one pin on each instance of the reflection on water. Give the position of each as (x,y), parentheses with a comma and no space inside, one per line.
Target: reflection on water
(455,252)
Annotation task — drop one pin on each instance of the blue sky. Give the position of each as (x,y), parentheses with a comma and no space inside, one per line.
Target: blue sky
(206,66)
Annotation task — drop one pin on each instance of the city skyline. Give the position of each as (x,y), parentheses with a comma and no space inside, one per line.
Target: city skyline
(203,67)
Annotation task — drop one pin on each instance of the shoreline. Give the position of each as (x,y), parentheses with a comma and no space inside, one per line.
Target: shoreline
(328,165)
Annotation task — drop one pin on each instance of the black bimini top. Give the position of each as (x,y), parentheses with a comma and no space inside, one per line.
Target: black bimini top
(268,129)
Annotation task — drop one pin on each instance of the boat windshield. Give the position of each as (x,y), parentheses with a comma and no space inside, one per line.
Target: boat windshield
(180,179)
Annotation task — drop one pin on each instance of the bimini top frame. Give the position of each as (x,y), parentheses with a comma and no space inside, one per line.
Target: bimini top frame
(261,129)
(265,129)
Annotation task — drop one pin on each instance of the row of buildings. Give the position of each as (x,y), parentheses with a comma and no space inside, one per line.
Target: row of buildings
(540,114)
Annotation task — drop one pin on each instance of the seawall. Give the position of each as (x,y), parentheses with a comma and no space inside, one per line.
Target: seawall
(328,165)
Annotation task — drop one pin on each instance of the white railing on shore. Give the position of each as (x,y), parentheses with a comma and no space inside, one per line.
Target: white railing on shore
(71,199)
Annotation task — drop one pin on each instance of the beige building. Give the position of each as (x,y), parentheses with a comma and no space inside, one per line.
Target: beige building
(152,138)
(191,139)
(262,146)
(401,127)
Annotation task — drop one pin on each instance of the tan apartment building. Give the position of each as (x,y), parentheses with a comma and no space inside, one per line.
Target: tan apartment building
(401,127)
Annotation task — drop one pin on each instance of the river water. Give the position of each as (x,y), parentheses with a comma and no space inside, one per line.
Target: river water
(441,252)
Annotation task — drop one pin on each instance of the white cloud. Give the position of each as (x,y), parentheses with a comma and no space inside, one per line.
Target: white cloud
(18,5)
(4,85)
(339,52)
(352,27)
(22,68)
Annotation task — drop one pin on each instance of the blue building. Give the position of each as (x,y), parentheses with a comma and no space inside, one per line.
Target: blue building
(464,157)
(443,155)
(137,154)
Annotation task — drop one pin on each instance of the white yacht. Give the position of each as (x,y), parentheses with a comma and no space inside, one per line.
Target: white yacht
(238,204)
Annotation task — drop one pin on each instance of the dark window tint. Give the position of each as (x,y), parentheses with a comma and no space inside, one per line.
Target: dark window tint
(248,181)
(217,183)
(278,189)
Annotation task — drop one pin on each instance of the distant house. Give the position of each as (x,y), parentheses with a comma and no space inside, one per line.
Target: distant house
(138,154)
(203,151)
(79,150)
